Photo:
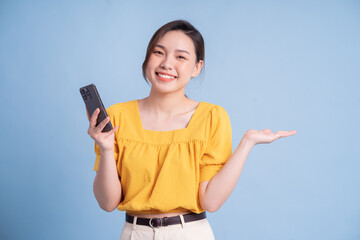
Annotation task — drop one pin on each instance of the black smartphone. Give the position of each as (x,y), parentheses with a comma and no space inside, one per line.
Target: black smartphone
(93,101)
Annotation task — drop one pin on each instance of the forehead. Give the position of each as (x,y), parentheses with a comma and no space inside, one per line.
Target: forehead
(177,40)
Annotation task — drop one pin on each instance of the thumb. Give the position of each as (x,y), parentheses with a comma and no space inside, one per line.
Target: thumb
(112,131)
(267,131)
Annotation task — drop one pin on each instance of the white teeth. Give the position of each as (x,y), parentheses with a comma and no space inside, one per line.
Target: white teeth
(165,76)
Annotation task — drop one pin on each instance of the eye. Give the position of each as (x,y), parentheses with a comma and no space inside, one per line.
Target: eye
(181,57)
(157,52)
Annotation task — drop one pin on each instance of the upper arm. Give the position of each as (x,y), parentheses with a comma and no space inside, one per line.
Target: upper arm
(219,143)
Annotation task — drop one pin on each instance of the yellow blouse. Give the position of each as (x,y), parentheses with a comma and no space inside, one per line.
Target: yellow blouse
(160,171)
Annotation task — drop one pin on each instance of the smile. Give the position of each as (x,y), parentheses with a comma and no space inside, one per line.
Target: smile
(165,77)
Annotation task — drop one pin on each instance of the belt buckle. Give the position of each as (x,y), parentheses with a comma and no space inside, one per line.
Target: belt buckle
(151,224)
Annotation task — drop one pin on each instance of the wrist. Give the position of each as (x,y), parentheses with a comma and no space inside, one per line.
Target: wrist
(246,142)
(107,151)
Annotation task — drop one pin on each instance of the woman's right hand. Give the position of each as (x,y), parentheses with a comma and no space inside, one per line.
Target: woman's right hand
(105,140)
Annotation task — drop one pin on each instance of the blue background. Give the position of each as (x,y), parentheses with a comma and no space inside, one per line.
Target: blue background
(281,65)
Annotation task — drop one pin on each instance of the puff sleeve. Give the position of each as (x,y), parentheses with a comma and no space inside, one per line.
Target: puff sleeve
(219,146)
(116,147)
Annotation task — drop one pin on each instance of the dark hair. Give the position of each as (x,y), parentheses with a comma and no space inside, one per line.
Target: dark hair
(186,28)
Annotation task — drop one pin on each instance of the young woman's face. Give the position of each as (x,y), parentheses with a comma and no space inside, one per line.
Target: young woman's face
(172,62)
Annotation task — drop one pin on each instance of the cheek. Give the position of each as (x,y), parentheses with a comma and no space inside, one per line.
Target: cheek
(151,62)
(186,69)
(150,65)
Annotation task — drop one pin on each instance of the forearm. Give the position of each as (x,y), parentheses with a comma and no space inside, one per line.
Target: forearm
(223,183)
(107,185)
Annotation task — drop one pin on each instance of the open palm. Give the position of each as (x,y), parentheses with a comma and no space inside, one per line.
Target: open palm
(266,136)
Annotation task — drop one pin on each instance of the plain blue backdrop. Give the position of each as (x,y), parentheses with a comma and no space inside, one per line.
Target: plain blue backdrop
(281,65)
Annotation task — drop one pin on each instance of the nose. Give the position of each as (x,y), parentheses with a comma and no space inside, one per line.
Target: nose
(166,63)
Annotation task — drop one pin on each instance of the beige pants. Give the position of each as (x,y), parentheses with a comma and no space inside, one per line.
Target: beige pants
(196,230)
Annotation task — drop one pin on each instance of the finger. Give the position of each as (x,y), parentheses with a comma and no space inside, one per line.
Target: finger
(94,117)
(286,133)
(267,131)
(87,113)
(111,131)
(281,132)
(292,132)
(103,123)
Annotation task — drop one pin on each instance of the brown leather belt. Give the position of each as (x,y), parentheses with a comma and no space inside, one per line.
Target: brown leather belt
(166,221)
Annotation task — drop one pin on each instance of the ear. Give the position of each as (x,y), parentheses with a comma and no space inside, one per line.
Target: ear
(198,67)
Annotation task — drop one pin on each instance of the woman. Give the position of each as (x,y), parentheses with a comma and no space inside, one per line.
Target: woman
(169,159)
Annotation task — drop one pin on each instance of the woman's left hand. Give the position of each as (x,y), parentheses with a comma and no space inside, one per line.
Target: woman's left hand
(265,136)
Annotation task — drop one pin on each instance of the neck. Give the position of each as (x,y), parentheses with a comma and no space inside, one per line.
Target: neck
(169,104)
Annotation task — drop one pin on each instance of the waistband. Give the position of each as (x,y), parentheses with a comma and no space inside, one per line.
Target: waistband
(165,221)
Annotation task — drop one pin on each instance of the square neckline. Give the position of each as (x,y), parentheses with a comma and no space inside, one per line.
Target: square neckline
(193,117)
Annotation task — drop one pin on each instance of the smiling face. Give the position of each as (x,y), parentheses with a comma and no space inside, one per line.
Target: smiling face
(172,62)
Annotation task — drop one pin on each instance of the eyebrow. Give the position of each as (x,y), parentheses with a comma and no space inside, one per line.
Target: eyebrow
(178,50)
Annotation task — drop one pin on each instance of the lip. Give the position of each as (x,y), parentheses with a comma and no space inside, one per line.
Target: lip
(165,79)
(167,74)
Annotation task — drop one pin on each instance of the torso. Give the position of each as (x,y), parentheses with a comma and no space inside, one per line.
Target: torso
(178,122)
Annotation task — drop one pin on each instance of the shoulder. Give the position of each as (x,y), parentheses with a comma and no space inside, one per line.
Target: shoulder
(117,108)
(214,117)
(214,109)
